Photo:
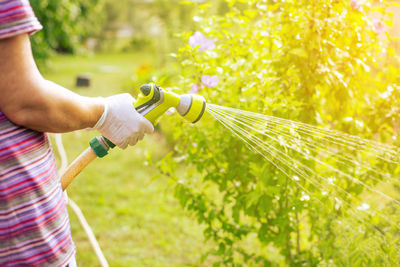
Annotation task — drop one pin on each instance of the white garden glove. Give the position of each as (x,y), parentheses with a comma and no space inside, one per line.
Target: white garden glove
(121,123)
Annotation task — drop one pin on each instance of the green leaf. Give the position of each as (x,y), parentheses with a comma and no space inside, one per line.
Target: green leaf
(300,52)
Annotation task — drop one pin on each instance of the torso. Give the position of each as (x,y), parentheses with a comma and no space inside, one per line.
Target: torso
(34,225)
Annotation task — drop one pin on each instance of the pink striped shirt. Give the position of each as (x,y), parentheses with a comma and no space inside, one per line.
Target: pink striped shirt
(16,16)
(34,224)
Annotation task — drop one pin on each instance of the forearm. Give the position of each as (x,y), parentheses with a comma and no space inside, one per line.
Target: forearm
(52,108)
(29,100)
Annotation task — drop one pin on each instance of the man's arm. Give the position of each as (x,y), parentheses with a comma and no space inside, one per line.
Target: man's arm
(29,100)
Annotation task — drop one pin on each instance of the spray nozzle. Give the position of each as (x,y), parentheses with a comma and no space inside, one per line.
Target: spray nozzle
(153,101)
(191,107)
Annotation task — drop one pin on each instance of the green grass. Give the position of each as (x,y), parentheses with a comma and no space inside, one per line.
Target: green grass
(136,219)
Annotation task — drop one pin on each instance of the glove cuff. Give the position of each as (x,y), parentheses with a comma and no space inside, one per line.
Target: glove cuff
(103,117)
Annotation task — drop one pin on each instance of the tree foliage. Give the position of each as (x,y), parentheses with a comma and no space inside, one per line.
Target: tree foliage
(322,62)
(66,24)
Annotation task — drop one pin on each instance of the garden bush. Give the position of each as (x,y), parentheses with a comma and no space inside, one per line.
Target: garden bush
(66,24)
(324,62)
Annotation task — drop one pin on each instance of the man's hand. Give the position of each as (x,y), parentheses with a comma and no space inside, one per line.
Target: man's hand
(121,123)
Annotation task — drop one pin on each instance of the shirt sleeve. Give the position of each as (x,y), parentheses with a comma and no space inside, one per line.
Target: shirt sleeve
(17,17)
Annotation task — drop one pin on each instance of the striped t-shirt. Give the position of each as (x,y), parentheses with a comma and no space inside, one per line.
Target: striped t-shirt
(16,16)
(34,224)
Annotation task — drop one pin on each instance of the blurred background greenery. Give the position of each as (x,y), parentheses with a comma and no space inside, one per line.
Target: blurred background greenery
(136,213)
(79,27)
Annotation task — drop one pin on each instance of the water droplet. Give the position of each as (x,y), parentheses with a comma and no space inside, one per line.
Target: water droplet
(363,207)
(304,197)
(197,18)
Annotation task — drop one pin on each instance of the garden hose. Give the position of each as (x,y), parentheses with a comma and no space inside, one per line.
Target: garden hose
(152,102)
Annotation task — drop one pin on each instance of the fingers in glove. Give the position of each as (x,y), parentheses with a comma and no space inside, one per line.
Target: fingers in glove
(147,126)
(133,141)
(140,136)
(123,145)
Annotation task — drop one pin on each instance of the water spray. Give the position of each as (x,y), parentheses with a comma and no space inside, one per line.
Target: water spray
(292,148)
(152,102)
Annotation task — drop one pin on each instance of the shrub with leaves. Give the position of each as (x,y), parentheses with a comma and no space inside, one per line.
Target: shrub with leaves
(66,24)
(323,62)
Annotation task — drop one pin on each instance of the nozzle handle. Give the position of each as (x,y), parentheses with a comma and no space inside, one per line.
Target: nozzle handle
(150,95)
(101,144)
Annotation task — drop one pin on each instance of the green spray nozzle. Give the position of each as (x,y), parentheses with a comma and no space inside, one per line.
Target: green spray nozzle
(152,102)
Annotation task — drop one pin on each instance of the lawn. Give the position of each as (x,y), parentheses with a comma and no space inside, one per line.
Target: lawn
(135,217)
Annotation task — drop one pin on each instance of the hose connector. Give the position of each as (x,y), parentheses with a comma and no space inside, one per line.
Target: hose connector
(101,145)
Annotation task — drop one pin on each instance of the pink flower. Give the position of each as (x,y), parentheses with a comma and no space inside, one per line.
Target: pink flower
(199,39)
(195,88)
(209,81)
(379,26)
(355,5)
